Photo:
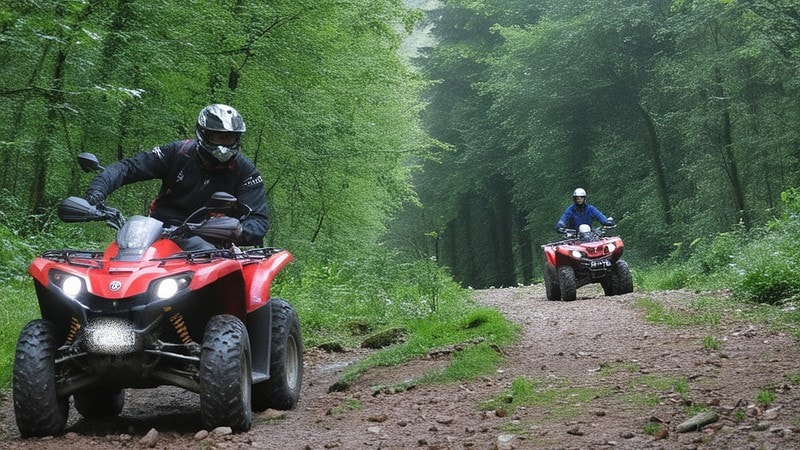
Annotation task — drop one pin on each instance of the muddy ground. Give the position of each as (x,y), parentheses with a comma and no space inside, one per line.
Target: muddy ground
(606,378)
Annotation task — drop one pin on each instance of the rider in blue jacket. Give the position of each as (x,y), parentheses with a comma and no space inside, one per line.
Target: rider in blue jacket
(580,212)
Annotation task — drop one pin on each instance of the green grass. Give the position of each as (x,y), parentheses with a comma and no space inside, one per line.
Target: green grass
(18,306)
(561,399)
(765,397)
(705,311)
(349,404)
(480,330)
(651,428)
(711,343)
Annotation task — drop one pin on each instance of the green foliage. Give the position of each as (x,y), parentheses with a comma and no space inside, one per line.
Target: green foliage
(18,306)
(373,288)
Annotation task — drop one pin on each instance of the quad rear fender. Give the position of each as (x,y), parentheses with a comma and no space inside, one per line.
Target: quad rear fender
(258,278)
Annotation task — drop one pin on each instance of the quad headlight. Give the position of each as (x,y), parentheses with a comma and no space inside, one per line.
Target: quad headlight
(611,248)
(71,285)
(576,254)
(167,288)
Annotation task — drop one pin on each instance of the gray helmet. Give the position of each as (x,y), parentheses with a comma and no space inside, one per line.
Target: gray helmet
(219,118)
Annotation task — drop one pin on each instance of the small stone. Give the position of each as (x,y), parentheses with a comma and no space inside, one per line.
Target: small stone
(150,439)
(575,431)
(222,431)
(200,435)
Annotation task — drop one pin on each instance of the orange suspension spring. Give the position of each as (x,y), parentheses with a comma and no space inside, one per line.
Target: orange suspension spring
(180,327)
(74,326)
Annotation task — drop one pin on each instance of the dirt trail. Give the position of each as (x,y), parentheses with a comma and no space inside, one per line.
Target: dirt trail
(611,373)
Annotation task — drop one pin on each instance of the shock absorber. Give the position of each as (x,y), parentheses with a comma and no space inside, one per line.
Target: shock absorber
(74,327)
(180,327)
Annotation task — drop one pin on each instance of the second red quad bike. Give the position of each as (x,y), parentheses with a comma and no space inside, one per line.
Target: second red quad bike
(585,256)
(143,313)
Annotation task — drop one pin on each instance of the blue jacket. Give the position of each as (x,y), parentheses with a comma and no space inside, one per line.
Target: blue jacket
(574,216)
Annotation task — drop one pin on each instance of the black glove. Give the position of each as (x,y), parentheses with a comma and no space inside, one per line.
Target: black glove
(95,197)
(610,222)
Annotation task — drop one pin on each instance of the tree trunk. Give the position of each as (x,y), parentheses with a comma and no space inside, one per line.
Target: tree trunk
(654,145)
(729,162)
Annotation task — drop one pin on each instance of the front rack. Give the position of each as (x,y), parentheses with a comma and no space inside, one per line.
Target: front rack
(91,258)
(81,258)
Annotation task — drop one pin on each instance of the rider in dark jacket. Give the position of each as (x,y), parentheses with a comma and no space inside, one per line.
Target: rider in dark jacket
(580,212)
(191,171)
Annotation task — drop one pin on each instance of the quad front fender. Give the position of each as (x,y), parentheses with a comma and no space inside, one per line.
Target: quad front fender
(258,278)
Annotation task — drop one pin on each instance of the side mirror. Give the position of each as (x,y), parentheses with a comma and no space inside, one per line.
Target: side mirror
(89,163)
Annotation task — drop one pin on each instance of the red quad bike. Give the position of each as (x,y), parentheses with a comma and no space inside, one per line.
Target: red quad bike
(585,256)
(144,313)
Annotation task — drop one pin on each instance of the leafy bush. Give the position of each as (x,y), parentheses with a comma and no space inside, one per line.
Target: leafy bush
(759,265)
(770,279)
(15,255)
(336,299)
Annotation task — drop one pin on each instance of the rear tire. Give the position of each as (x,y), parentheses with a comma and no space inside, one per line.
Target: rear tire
(551,287)
(99,402)
(566,280)
(621,280)
(225,375)
(39,411)
(282,389)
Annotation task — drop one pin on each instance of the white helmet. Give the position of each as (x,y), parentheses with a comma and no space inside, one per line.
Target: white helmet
(579,192)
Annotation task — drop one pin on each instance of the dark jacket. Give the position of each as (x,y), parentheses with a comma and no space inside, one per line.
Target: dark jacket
(575,216)
(186,185)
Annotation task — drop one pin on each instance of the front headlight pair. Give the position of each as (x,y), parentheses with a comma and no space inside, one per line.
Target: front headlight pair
(165,288)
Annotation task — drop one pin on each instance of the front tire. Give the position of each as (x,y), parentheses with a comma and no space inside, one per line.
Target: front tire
(551,288)
(225,375)
(566,280)
(621,280)
(282,389)
(38,409)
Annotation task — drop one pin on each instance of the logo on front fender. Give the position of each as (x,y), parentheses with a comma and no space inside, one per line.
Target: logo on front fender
(115,285)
